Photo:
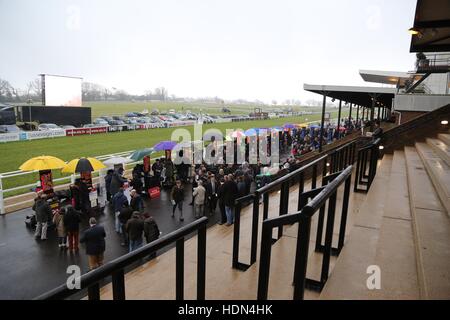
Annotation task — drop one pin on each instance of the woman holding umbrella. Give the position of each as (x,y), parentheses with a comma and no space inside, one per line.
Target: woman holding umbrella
(81,189)
(44,210)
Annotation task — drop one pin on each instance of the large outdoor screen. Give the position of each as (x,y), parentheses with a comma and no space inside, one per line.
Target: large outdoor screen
(62,91)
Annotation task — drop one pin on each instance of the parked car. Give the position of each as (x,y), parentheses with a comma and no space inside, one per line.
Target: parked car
(144,120)
(106,118)
(100,121)
(116,123)
(48,126)
(130,121)
(131,115)
(68,127)
(9,128)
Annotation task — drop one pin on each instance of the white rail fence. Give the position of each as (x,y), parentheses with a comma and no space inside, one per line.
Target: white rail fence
(69,179)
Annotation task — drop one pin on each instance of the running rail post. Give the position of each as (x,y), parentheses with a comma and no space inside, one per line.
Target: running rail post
(2,204)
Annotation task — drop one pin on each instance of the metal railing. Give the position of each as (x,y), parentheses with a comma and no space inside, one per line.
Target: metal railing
(116,267)
(330,163)
(366,167)
(303,217)
(439,62)
(60,181)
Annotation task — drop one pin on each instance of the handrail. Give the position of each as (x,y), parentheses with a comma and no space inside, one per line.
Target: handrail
(281,180)
(366,167)
(304,217)
(330,163)
(116,267)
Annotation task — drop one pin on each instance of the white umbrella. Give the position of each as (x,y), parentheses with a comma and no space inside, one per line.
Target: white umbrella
(116,160)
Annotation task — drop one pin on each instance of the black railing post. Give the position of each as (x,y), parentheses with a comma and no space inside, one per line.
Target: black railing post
(179,269)
(236,231)
(255,222)
(328,239)
(365,174)
(358,168)
(301,188)
(325,165)
(319,234)
(264,262)
(266,205)
(118,285)
(201,262)
(344,213)
(301,257)
(94,291)
(314,177)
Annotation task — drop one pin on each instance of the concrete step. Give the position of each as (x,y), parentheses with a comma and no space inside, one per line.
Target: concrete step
(395,254)
(440,148)
(349,275)
(438,171)
(431,229)
(444,137)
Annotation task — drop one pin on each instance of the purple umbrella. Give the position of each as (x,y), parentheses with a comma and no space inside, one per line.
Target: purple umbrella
(164,145)
(289,126)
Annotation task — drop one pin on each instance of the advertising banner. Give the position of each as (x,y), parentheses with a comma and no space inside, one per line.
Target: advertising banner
(181,123)
(31,135)
(83,131)
(8,137)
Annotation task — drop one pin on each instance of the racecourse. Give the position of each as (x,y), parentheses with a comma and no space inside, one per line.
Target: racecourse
(102,108)
(13,154)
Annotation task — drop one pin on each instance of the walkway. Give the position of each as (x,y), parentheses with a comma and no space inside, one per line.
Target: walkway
(29,267)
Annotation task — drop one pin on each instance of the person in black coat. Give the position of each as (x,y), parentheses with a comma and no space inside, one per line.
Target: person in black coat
(135,230)
(211,193)
(230,192)
(177,197)
(125,215)
(71,222)
(43,215)
(108,178)
(151,231)
(220,196)
(378,132)
(94,238)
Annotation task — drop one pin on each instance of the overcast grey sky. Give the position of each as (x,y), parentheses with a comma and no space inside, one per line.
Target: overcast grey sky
(250,49)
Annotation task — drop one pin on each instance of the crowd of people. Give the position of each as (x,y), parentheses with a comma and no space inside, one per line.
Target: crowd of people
(213,187)
(307,139)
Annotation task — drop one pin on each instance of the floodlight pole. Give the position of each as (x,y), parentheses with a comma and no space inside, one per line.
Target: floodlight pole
(323,119)
(339,119)
(372,111)
(2,204)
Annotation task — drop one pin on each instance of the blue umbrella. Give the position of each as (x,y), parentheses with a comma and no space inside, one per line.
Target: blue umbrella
(277,128)
(314,126)
(138,155)
(289,126)
(164,145)
(251,132)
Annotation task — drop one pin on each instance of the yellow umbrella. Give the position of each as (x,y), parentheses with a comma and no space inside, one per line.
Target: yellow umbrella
(83,165)
(42,163)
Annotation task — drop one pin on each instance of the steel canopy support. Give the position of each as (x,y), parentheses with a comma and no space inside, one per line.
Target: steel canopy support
(372,110)
(339,118)
(323,119)
(350,112)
